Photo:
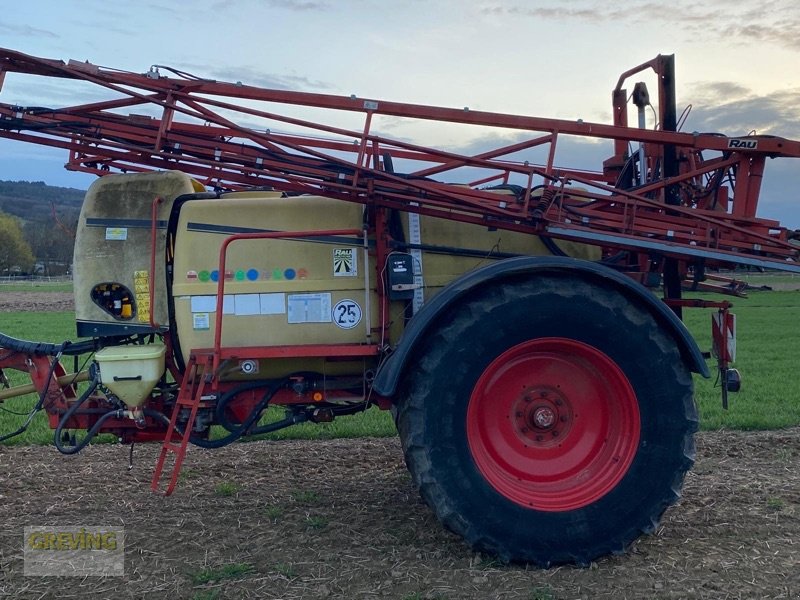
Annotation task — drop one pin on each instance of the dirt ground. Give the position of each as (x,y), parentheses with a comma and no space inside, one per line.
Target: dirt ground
(340,519)
(35,301)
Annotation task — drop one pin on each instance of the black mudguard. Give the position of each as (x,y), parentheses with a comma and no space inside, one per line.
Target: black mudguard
(391,371)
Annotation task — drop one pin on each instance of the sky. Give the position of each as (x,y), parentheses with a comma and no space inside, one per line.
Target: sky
(736,61)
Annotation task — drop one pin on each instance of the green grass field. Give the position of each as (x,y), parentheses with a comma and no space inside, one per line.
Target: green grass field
(768,344)
(35,286)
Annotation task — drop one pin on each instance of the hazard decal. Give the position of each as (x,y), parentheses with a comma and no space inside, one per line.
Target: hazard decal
(345,262)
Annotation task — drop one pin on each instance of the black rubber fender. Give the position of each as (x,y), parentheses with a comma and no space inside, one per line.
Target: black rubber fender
(391,371)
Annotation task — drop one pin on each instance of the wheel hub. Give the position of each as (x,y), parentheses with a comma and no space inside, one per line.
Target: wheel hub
(544,417)
(541,415)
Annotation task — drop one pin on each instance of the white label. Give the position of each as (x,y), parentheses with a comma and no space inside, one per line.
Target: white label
(200,321)
(209,304)
(345,262)
(246,304)
(117,233)
(347,314)
(309,308)
(272,304)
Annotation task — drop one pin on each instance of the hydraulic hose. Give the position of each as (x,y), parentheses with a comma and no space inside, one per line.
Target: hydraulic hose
(89,434)
(203,443)
(234,435)
(238,432)
(46,348)
(219,412)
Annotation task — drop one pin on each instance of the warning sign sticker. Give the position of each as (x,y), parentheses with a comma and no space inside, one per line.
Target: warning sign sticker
(141,286)
(345,262)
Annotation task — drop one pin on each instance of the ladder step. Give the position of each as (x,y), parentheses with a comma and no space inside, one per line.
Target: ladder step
(172,446)
(189,396)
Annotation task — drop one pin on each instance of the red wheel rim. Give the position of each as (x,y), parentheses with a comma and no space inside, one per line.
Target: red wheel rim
(553,424)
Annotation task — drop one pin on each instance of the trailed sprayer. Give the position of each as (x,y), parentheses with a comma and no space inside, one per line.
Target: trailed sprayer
(246,248)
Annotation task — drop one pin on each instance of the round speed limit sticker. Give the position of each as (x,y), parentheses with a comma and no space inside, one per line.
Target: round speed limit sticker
(347,314)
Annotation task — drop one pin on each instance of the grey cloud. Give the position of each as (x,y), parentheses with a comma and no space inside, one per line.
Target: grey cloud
(732,109)
(295,5)
(710,92)
(165,8)
(774,22)
(25,30)
(253,76)
(27,92)
(298,5)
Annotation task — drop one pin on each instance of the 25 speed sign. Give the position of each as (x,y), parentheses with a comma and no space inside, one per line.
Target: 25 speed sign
(346,314)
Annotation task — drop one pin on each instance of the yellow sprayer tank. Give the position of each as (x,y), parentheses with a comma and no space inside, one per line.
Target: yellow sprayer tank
(312,290)
(279,291)
(112,251)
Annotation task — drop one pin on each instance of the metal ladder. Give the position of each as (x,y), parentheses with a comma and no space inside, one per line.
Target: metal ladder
(190,395)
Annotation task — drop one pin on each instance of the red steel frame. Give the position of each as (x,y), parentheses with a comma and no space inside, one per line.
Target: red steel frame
(349,164)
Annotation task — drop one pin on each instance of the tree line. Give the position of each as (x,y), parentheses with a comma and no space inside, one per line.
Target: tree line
(37,227)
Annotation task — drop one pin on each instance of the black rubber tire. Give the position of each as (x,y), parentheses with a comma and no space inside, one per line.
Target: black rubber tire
(436,390)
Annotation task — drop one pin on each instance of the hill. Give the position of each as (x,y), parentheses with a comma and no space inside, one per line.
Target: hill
(49,218)
(33,201)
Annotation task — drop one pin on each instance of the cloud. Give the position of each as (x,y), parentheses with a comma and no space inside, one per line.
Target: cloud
(255,77)
(732,109)
(25,31)
(298,5)
(25,90)
(774,21)
(293,5)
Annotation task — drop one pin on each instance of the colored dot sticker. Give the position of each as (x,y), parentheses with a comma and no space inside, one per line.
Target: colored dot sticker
(289,274)
(239,275)
(228,275)
(252,274)
(204,276)
(277,274)
(302,273)
(214,275)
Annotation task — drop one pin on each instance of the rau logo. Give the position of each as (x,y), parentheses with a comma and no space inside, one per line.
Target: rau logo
(743,144)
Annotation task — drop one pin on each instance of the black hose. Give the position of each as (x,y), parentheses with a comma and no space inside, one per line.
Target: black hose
(240,431)
(219,411)
(91,432)
(234,435)
(45,348)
